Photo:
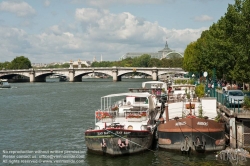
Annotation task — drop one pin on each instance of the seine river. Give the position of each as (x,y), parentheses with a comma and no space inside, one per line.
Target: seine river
(44,123)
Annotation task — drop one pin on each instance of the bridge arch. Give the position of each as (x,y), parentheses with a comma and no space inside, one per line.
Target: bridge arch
(79,74)
(16,77)
(137,71)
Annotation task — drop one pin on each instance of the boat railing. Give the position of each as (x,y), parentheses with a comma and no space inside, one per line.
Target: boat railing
(172,97)
(105,116)
(129,114)
(136,115)
(113,106)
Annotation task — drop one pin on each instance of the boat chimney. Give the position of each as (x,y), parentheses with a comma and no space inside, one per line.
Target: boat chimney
(166,112)
(190,106)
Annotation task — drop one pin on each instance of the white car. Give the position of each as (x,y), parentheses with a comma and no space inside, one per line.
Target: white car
(234,97)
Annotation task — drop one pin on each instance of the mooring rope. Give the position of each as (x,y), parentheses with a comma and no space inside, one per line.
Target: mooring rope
(186,143)
(128,140)
(214,138)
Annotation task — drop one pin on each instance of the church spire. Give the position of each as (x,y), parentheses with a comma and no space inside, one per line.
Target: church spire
(166,45)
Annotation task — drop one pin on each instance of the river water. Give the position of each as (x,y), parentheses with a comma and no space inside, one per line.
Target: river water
(38,120)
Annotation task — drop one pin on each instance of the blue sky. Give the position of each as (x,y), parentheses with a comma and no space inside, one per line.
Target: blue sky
(48,31)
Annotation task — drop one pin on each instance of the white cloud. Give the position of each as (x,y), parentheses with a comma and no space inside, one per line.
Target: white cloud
(88,14)
(101,3)
(179,39)
(102,33)
(101,24)
(46,3)
(21,9)
(203,18)
(105,3)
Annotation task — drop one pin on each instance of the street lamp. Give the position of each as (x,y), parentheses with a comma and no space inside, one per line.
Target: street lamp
(193,76)
(206,88)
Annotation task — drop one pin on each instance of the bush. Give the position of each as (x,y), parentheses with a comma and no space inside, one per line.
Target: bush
(200,90)
(246,103)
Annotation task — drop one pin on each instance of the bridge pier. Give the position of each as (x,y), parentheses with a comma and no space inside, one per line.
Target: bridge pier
(114,73)
(32,75)
(71,75)
(155,74)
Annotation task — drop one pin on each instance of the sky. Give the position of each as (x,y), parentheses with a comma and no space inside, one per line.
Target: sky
(47,31)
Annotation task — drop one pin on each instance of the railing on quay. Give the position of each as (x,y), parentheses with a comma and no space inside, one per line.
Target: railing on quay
(232,106)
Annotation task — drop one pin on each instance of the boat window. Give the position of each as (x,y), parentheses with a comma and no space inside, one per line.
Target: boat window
(140,99)
(236,93)
(130,127)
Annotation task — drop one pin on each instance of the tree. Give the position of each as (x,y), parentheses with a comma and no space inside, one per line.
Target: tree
(154,62)
(20,63)
(4,65)
(190,60)
(141,61)
(225,46)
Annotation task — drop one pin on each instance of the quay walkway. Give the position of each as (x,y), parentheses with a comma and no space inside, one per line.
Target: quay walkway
(237,121)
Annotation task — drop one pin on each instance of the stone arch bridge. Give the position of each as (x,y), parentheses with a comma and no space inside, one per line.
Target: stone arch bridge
(75,74)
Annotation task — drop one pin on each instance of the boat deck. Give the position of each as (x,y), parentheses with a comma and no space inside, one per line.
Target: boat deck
(124,121)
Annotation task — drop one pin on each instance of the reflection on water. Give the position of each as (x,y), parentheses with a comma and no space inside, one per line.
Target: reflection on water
(142,159)
(159,158)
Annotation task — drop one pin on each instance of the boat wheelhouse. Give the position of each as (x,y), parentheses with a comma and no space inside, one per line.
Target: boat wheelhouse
(125,126)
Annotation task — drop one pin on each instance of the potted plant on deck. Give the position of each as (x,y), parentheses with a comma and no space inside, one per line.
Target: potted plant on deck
(143,115)
(133,117)
(114,108)
(200,91)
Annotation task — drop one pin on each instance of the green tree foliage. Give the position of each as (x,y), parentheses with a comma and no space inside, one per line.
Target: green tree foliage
(65,65)
(144,60)
(199,90)
(224,46)
(19,63)
(154,62)
(4,65)
(190,60)
(103,64)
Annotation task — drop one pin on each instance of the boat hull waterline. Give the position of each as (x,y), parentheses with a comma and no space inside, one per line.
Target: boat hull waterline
(118,141)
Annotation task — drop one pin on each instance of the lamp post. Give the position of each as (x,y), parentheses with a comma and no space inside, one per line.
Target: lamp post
(193,76)
(214,81)
(205,75)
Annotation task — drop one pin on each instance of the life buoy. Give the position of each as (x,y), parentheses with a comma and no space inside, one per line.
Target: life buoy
(123,144)
(99,115)
(103,143)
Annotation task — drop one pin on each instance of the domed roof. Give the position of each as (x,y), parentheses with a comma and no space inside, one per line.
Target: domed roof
(166,52)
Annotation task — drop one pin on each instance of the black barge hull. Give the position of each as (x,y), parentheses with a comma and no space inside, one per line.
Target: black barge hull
(118,142)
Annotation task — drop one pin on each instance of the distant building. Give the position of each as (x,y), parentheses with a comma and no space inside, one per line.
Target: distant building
(166,52)
(87,63)
(95,60)
(38,64)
